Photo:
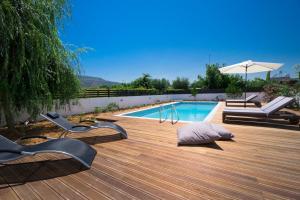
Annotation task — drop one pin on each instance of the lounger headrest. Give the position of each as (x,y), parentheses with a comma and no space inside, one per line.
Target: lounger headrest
(53,115)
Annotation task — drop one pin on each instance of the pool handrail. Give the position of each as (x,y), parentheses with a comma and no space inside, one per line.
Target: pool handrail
(173,109)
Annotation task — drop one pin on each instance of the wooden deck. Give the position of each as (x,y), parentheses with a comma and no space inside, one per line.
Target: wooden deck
(261,163)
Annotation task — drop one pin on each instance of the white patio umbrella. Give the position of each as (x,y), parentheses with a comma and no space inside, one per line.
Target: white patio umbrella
(249,66)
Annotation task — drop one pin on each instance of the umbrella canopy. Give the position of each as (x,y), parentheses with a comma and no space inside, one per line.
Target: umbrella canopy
(250,66)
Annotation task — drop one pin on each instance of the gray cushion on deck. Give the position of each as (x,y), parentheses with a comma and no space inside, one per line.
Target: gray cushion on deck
(279,105)
(223,132)
(271,103)
(197,133)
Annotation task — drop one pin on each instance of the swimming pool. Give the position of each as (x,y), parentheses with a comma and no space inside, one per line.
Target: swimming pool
(187,111)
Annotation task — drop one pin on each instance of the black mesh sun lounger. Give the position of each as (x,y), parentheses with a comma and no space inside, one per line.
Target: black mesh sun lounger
(78,128)
(267,111)
(247,100)
(76,149)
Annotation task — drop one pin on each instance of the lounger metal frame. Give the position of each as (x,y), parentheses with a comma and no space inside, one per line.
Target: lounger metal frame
(97,124)
(245,101)
(32,153)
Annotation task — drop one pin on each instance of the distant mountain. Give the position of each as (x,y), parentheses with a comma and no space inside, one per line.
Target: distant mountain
(90,81)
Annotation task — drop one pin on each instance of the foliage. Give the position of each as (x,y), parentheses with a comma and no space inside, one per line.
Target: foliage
(194,91)
(297,94)
(256,84)
(233,91)
(181,83)
(235,80)
(214,78)
(233,85)
(123,86)
(177,91)
(297,69)
(200,83)
(143,82)
(268,76)
(111,107)
(272,90)
(160,84)
(36,67)
(98,110)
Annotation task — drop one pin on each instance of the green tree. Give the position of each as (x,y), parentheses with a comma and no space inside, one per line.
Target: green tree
(160,84)
(236,80)
(233,91)
(143,82)
(200,83)
(181,83)
(194,92)
(214,78)
(257,84)
(268,76)
(35,66)
(234,85)
(297,69)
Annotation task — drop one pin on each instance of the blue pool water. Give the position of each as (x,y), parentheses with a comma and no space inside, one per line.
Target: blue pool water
(187,111)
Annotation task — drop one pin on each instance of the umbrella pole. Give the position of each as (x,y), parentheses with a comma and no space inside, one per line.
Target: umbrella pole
(246,86)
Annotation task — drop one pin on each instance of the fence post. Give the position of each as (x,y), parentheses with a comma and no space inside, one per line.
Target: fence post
(108,92)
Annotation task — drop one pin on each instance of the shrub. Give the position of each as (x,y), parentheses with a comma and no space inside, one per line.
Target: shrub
(214,79)
(112,107)
(177,91)
(194,92)
(160,84)
(256,84)
(233,91)
(274,90)
(181,83)
(98,110)
(142,82)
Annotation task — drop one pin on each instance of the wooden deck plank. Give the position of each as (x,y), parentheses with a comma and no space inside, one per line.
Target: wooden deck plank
(261,163)
(23,190)
(43,174)
(96,184)
(150,178)
(181,183)
(6,192)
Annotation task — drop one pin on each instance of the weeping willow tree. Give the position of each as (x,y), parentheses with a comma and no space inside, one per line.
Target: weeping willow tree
(35,66)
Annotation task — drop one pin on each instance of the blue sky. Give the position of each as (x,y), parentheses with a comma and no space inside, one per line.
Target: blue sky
(170,38)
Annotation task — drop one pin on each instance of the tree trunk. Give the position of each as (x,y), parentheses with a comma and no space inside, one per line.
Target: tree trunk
(10,122)
(8,114)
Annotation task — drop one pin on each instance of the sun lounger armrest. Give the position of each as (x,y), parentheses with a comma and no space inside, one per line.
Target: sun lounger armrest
(77,126)
(27,153)
(10,151)
(89,120)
